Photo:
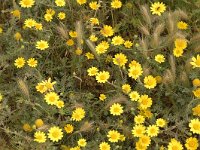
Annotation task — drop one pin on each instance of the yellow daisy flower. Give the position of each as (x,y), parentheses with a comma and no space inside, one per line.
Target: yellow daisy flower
(191,143)
(107,31)
(114,136)
(116,4)
(94,5)
(20,62)
(120,59)
(158,8)
(174,145)
(196,110)
(195,126)
(81,2)
(55,134)
(138,130)
(160,58)
(126,88)
(145,101)
(69,128)
(78,114)
(182,25)
(92,71)
(82,142)
(150,82)
(42,45)
(32,62)
(51,98)
(117,40)
(102,76)
(195,61)
(152,130)
(26,3)
(39,137)
(116,109)
(104,146)
(134,95)
(60,3)
(29,23)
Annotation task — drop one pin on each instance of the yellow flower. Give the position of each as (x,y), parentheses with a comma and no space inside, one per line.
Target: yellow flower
(32,62)
(48,17)
(19,62)
(158,8)
(182,25)
(27,127)
(120,59)
(55,134)
(147,113)
(135,71)
(102,76)
(41,87)
(78,114)
(102,97)
(138,130)
(197,92)
(178,52)
(139,119)
(50,11)
(158,79)
(102,47)
(160,58)
(128,44)
(145,101)
(82,142)
(160,122)
(73,34)
(107,31)
(196,110)
(60,104)
(192,143)
(16,13)
(150,82)
(195,62)
(39,137)
(116,4)
(195,126)
(61,15)
(126,88)
(175,145)
(93,38)
(89,55)
(38,26)
(27,3)
(48,84)
(113,136)
(140,146)
(116,109)
(69,128)
(1,97)
(117,40)
(134,96)
(51,98)
(104,146)
(70,42)
(42,45)
(92,71)
(78,51)
(94,21)
(94,5)
(152,130)
(60,3)
(180,43)
(145,140)
(196,82)
(1,30)
(39,123)
(29,23)
(81,2)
